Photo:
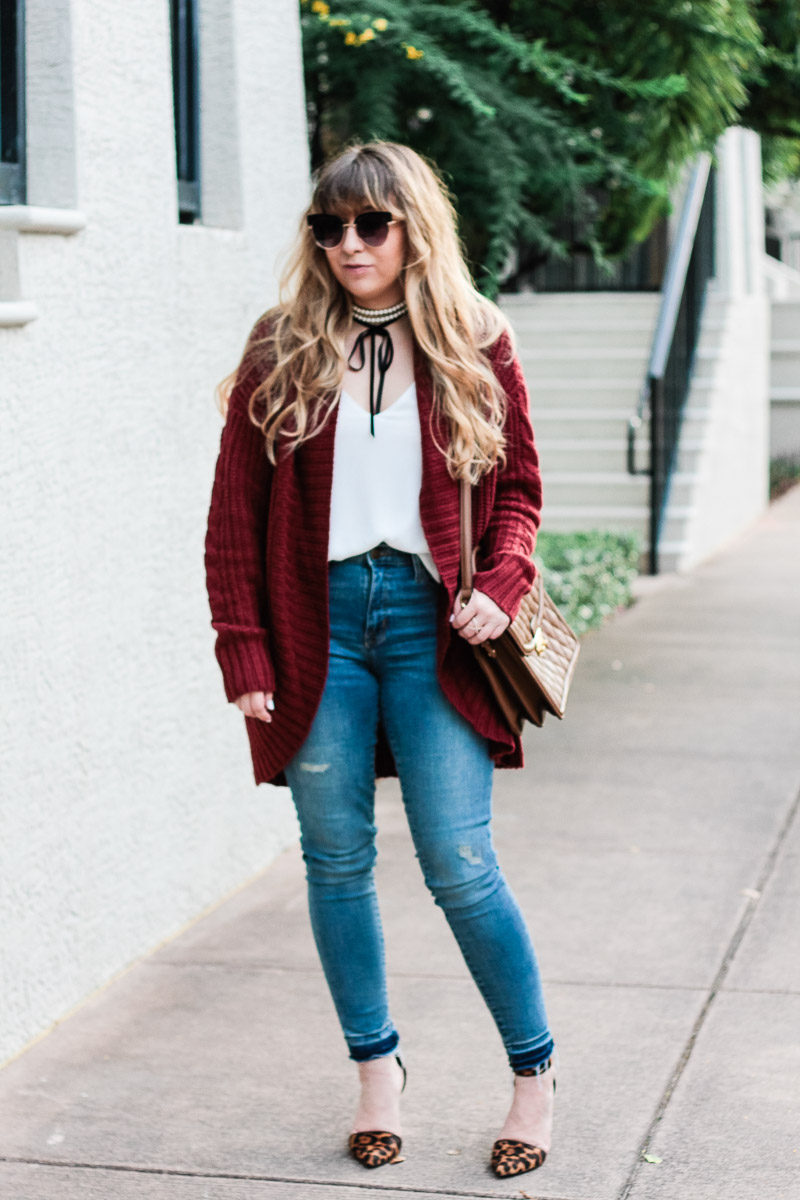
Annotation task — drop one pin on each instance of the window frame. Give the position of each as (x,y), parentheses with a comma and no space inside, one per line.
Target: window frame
(12,93)
(184,22)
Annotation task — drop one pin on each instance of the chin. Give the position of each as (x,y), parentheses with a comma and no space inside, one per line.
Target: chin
(375,299)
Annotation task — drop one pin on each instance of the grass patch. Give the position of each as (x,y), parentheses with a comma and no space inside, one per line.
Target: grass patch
(589,575)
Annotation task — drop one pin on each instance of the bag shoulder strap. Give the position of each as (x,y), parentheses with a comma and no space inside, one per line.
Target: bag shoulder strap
(468,555)
(465,522)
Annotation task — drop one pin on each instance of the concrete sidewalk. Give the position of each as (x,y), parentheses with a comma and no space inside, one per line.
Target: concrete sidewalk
(654,844)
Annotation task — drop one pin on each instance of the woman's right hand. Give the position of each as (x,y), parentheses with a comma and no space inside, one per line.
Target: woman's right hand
(256,704)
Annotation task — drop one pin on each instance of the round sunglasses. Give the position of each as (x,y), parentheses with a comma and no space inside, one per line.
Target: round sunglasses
(371,227)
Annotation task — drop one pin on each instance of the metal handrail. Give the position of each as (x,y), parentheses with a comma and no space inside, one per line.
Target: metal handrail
(673,298)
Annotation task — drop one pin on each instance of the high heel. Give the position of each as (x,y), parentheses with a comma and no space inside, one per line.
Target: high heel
(513,1157)
(377,1147)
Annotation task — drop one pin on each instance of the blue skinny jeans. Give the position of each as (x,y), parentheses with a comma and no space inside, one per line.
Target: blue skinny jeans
(383,608)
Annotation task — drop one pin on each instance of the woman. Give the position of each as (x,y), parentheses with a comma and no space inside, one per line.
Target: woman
(332,562)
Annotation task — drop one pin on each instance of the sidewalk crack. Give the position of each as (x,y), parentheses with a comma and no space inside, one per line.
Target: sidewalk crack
(252,1177)
(731,951)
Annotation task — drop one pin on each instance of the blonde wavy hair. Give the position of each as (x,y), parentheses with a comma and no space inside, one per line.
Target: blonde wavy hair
(302,342)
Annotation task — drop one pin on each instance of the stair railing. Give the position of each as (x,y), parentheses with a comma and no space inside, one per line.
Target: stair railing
(666,386)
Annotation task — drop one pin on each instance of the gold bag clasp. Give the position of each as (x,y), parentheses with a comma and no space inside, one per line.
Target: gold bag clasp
(538,642)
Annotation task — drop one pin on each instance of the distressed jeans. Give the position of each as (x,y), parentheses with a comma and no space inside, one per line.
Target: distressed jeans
(383,607)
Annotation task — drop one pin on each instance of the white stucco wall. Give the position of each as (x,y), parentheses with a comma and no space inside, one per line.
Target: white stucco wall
(128,803)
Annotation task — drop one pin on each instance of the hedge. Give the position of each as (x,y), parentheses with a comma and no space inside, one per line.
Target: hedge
(589,574)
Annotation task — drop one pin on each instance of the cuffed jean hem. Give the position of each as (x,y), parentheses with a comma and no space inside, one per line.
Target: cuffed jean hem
(376,1050)
(524,1059)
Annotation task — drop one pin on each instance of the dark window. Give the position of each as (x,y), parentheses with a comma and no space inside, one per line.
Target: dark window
(12,102)
(185,94)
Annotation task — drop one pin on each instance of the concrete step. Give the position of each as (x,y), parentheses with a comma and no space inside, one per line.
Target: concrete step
(605,454)
(571,518)
(602,489)
(608,489)
(578,365)
(588,454)
(617,519)
(784,395)
(785,367)
(575,424)
(784,423)
(607,424)
(785,318)
(559,394)
(631,303)
(538,333)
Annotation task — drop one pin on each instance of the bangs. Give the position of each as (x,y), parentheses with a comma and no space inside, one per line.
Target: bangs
(355,181)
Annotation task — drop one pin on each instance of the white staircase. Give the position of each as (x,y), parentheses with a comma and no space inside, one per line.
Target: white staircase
(584,355)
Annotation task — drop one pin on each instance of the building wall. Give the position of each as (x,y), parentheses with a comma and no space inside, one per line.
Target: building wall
(128,804)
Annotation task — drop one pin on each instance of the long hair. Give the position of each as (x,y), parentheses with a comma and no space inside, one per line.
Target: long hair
(302,341)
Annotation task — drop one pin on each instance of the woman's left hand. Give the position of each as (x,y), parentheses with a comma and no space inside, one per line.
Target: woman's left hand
(480,619)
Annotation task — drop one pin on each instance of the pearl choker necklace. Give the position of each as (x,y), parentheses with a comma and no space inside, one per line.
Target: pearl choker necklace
(379,316)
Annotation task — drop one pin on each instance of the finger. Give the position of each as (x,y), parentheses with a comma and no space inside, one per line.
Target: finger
(255,706)
(473,633)
(491,630)
(259,708)
(462,616)
(495,621)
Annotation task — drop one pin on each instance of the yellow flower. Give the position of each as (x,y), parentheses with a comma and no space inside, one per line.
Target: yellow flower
(412,52)
(380,24)
(319,6)
(350,38)
(335,22)
(367,36)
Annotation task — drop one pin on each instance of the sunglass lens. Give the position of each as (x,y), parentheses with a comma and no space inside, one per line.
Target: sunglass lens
(327,229)
(373,227)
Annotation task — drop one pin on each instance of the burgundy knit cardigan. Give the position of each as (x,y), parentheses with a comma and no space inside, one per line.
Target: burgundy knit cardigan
(266,558)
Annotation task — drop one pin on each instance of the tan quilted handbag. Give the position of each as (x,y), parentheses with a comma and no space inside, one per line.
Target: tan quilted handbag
(530,666)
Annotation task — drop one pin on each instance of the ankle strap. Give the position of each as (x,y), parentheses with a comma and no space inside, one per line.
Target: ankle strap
(539,1069)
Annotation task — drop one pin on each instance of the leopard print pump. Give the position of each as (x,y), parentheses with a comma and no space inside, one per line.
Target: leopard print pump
(512,1157)
(377,1147)
(374,1147)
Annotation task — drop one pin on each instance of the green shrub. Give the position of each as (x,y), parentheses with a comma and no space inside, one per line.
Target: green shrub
(589,575)
(784,472)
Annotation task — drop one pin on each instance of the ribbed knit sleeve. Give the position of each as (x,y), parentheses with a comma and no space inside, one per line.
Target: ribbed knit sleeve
(235,550)
(505,568)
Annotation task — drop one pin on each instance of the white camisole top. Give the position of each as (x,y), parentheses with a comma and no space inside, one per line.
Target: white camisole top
(377,480)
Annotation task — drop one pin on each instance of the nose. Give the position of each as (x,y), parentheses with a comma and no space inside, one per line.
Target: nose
(351,242)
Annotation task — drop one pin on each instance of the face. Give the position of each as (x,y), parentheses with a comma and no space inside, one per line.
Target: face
(371,274)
